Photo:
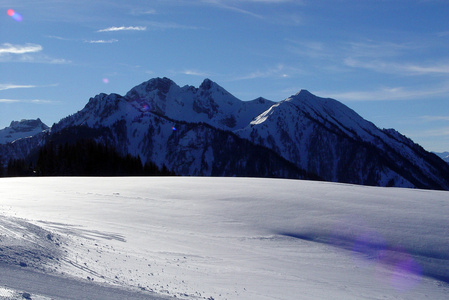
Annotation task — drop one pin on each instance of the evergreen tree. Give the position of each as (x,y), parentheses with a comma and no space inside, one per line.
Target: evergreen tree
(1,168)
(89,158)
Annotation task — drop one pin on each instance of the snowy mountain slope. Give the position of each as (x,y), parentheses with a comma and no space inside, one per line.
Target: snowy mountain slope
(327,138)
(231,238)
(185,148)
(22,147)
(21,129)
(183,128)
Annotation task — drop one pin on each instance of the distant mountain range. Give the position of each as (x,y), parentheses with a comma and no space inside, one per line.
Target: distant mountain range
(206,131)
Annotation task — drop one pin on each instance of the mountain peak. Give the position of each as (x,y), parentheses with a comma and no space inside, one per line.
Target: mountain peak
(162,84)
(207,84)
(21,129)
(24,123)
(304,92)
(303,95)
(211,86)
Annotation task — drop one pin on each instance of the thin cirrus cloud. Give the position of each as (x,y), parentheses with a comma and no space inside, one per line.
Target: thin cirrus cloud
(123,28)
(101,41)
(398,68)
(389,94)
(437,132)
(30,53)
(236,6)
(152,25)
(8,48)
(6,86)
(10,86)
(33,101)
(434,118)
(195,73)
(140,12)
(230,6)
(379,57)
(278,71)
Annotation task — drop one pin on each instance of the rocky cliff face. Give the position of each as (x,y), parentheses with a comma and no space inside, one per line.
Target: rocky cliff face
(207,131)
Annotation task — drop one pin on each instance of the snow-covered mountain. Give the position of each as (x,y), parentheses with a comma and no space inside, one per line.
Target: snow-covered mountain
(21,129)
(208,131)
(325,137)
(183,129)
(209,103)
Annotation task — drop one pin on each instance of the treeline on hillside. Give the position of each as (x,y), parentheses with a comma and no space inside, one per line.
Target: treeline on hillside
(82,158)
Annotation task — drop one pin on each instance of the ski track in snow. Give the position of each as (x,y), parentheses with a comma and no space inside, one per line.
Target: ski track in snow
(220,238)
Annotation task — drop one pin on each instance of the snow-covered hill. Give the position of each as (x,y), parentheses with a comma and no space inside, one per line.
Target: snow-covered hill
(221,238)
(21,129)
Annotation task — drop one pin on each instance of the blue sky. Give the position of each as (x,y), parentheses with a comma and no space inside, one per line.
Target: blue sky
(386,59)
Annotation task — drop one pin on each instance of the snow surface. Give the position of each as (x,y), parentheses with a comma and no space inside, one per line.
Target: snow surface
(224,238)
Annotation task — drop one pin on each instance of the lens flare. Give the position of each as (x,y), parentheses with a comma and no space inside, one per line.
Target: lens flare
(145,107)
(105,80)
(407,274)
(16,16)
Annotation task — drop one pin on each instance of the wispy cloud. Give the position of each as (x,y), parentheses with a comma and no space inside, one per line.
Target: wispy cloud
(278,71)
(392,67)
(171,25)
(391,58)
(101,41)
(230,5)
(377,49)
(7,48)
(380,57)
(30,53)
(8,101)
(195,73)
(140,12)
(123,28)
(437,132)
(389,94)
(258,1)
(32,101)
(7,86)
(310,49)
(434,118)
(247,7)
(271,1)
(60,38)
(39,59)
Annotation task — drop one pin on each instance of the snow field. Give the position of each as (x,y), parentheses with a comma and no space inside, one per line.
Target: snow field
(232,238)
